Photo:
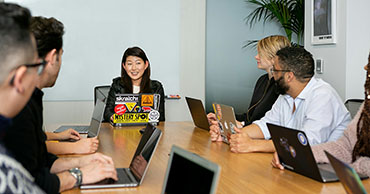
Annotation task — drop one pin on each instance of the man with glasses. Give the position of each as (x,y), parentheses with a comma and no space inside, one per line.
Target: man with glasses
(306,103)
(18,75)
(27,139)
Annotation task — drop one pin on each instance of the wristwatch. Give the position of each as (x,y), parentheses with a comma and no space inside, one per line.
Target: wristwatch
(76,172)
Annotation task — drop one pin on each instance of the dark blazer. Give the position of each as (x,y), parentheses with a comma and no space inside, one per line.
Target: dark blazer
(264,96)
(25,139)
(118,88)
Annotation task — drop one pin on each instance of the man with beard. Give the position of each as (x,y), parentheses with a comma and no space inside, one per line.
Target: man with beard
(305,103)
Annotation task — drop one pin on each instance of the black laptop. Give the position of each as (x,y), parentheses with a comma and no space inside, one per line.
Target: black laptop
(134,175)
(347,175)
(295,154)
(197,113)
(96,119)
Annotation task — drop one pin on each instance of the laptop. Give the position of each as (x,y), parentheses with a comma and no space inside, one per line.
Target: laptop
(295,154)
(134,175)
(197,113)
(189,173)
(93,129)
(347,175)
(226,120)
(136,109)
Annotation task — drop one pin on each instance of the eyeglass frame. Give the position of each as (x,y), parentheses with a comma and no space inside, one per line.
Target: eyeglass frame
(279,70)
(41,68)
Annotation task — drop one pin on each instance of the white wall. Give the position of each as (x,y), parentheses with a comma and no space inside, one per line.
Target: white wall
(344,61)
(190,74)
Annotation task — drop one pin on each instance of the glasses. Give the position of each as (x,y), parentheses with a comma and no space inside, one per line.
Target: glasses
(273,70)
(40,66)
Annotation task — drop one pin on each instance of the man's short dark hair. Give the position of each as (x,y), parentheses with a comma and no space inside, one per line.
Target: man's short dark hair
(297,60)
(48,33)
(15,38)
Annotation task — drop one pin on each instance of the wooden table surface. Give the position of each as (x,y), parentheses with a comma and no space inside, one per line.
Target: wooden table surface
(240,173)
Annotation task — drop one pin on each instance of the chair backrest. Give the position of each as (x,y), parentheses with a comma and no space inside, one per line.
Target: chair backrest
(101,93)
(353,105)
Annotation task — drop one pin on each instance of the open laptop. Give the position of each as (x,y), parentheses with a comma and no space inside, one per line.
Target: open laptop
(295,154)
(189,173)
(134,175)
(197,113)
(136,109)
(93,129)
(226,119)
(347,175)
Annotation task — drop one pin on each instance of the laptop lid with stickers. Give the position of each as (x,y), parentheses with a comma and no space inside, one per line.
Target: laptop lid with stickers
(136,109)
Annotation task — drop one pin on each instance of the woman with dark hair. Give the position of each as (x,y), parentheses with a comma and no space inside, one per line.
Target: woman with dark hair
(135,79)
(354,146)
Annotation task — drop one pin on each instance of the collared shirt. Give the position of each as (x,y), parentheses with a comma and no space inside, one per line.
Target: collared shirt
(319,112)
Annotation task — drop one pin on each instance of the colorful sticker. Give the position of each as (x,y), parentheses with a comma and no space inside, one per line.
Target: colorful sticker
(130,105)
(120,109)
(146,108)
(131,118)
(302,138)
(292,151)
(154,116)
(147,100)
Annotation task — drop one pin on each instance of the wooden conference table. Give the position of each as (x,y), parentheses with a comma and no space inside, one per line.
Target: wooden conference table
(240,173)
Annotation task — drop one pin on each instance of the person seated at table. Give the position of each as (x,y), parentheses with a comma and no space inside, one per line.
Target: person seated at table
(18,75)
(135,79)
(354,146)
(265,93)
(305,103)
(26,139)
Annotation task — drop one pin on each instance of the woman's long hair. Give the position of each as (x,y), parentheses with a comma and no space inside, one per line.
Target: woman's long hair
(362,146)
(145,80)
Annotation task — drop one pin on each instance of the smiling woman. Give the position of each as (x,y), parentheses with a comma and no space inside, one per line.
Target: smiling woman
(135,79)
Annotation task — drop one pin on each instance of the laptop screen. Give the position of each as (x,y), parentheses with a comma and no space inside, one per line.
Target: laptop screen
(188,175)
(144,152)
(96,118)
(131,109)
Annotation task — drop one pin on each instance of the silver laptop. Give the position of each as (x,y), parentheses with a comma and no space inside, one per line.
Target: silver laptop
(189,173)
(295,154)
(93,129)
(134,175)
(347,175)
(197,113)
(226,120)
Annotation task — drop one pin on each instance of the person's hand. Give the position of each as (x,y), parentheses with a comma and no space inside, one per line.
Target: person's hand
(276,162)
(241,142)
(212,120)
(69,134)
(97,171)
(86,145)
(85,160)
(214,131)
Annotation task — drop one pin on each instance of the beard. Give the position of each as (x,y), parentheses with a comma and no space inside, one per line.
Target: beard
(281,86)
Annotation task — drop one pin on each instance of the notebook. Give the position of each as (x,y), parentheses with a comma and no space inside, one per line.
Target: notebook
(347,175)
(226,120)
(295,154)
(197,113)
(189,173)
(93,129)
(136,109)
(134,175)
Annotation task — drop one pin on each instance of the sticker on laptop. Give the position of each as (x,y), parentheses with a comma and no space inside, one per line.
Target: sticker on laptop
(131,118)
(302,138)
(120,109)
(153,116)
(130,105)
(147,100)
(292,151)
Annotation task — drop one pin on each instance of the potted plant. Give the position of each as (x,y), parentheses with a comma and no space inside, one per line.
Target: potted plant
(289,13)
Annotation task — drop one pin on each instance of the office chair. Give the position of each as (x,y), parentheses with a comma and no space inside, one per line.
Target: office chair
(353,105)
(101,93)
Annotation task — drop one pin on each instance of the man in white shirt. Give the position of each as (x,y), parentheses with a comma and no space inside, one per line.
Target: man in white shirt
(306,103)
